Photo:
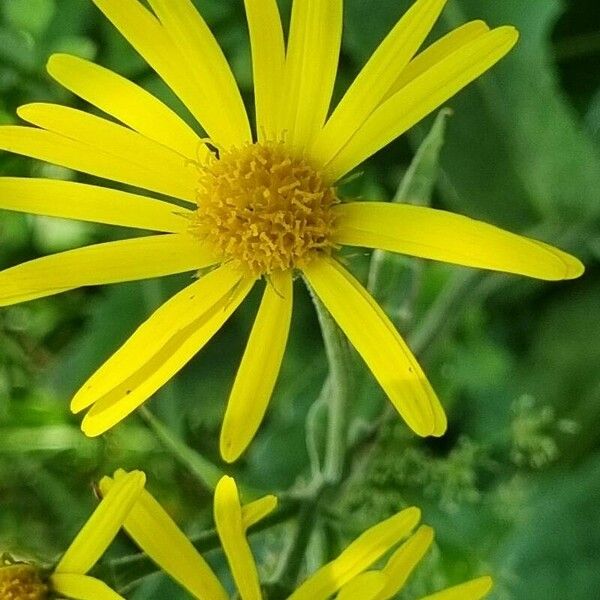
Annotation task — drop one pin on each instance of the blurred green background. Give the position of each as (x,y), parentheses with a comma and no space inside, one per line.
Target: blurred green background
(513,489)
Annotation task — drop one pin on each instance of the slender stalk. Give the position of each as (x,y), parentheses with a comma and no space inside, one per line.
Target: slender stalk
(127,572)
(338,384)
(289,567)
(446,306)
(204,470)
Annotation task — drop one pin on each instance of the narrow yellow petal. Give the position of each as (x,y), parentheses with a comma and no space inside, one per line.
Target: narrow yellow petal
(358,556)
(127,102)
(143,162)
(472,590)
(71,200)
(311,66)
(377,77)
(448,237)
(268,61)
(93,160)
(111,262)
(438,51)
(156,534)
(421,96)
(81,587)
(102,527)
(228,519)
(366,586)
(404,560)
(256,511)
(158,349)
(375,338)
(149,38)
(209,68)
(259,368)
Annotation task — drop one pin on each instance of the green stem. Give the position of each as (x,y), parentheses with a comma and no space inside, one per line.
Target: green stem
(446,307)
(204,470)
(293,559)
(338,384)
(128,571)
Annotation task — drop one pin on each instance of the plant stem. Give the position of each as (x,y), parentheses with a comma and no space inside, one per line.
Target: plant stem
(128,571)
(338,384)
(287,575)
(204,470)
(446,306)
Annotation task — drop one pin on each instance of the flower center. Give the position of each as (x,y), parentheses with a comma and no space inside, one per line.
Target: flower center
(21,582)
(264,209)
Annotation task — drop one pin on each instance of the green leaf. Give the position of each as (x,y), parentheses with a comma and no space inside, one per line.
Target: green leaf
(516,144)
(515,152)
(554,554)
(32,16)
(394,280)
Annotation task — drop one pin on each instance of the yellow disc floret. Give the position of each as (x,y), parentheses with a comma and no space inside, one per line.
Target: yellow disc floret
(21,582)
(264,209)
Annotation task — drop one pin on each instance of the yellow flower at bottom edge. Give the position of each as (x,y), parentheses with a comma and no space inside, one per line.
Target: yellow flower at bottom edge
(348,575)
(262,206)
(23,581)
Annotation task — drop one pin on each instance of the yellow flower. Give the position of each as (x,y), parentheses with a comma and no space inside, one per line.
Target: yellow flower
(22,581)
(260,206)
(348,575)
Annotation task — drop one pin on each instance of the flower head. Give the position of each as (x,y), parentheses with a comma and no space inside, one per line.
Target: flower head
(21,581)
(350,575)
(259,206)
(24,581)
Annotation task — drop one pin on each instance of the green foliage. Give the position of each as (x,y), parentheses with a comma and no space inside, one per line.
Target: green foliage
(511,490)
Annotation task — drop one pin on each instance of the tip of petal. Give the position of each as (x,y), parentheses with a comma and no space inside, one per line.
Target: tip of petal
(226,484)
(25,111)
(427,532)
(138,478)
(482,586)
(412,514)
(230,449)
(511,33)
(94,427)
(55,58)
(79,403)
(575,268)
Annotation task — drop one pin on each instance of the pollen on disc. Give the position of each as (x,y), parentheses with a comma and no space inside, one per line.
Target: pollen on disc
(22,582)
(264,209)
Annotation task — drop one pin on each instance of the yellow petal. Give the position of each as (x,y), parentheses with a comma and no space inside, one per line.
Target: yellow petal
(404,560)
(80,587)
(159,348)
(71,200)
(102,527)
(209,69)
(366,586)
(228,519)
(111,262)
(421,96)
(310,70)
(256,511)
(438,51)
(259,368)
(127,102)
(448,237)
(377,77)
(472,590)
(57,149)
(377,341)
(145,33)
(156,534)
(268,60)
(358,556)
(87,141)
